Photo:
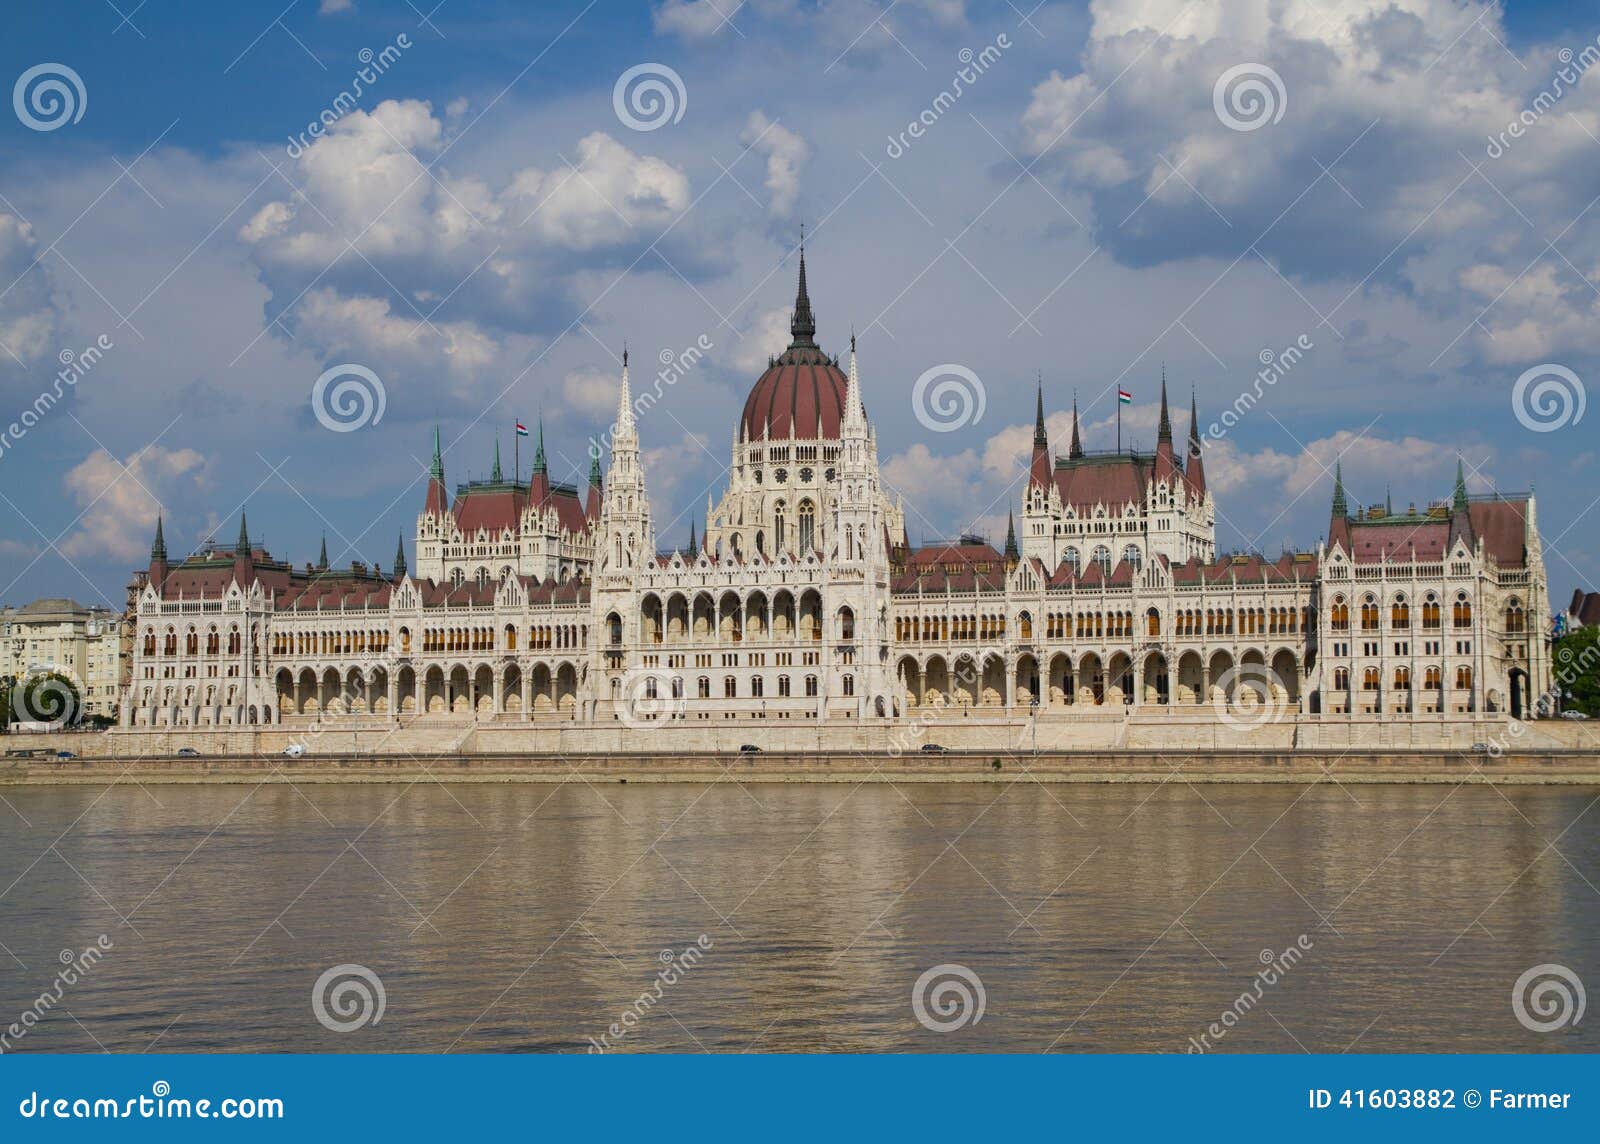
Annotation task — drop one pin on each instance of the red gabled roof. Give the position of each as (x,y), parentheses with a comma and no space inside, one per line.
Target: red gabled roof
(1502,525)
(494,508)
(1112,480)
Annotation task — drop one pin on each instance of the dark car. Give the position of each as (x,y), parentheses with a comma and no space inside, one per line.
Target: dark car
(749,749)
(935,749)
(66,754)
(188,753)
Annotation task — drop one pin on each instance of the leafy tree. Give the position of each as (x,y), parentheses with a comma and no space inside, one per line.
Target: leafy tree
(1575,663)
(45,697)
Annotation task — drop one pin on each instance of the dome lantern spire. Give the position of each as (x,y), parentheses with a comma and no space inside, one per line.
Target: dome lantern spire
(802,325)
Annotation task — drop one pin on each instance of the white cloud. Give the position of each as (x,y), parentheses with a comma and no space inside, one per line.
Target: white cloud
(118,499)
(787,154)
(29,321)
(767,334)
(695,19)
(591,391)
(333,7)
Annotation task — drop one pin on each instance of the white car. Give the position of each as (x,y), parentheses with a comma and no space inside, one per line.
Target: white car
(294,750)
(1573,715)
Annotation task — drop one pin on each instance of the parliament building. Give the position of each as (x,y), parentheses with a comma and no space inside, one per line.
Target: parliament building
(535,604)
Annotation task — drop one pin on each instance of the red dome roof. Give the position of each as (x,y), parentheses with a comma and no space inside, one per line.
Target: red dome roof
(802,394)
(800,390)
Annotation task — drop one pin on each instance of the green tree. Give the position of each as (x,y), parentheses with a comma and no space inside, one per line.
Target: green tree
(45,697)
(1575,664)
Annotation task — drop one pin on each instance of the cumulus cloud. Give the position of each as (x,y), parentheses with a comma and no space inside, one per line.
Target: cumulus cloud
(1365,121)
(787,154)
(29,320)
(695,19)
(767,334)
(591,391)
(119,499)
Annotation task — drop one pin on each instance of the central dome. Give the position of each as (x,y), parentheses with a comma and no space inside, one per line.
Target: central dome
(802,394)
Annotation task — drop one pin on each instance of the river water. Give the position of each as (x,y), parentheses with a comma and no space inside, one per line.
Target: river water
(796,918)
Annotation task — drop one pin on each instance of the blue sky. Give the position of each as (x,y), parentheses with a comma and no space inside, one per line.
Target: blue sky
(482,230)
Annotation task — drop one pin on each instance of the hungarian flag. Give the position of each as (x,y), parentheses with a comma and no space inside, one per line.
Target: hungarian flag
(522,430)
(1122,395)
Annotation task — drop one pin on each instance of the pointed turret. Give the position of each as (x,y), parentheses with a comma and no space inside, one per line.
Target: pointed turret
(539,482)
(1341,506)
(1166,466)
(496,476)
(1011,540)
(243,566)
(855,414)
(322,557)
(158,557)
(694,546)
(1039,464)
(591,508)
(1461,510)
(1075,452)
(438,501)
(400,558)
(1194,469)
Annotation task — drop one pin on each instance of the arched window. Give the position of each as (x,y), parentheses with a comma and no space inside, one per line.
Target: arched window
(1072,559)
(1400,614)
(779,511)
(1430,612)
(1461,613)
(1369,614)
(703,687)
(730,687)
(808,526)
(1133,556)
(1102,557)
(811,687)
(1339,615)
(1152,620)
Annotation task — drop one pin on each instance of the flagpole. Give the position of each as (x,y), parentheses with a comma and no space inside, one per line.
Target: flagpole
(1119,421)
(516,453)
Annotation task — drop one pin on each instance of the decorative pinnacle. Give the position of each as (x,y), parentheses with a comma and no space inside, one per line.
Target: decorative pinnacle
(436,470)
(158,550)
(540,467)
(802,325)
(243,547)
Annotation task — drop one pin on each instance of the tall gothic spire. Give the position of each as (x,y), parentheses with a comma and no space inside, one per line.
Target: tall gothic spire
(595,479)
(1341,507)
(1040,440)
(802,325)
(1164,432)
(322,557)
(1076,451)
(242,548)
(624,401)
(495,473)
(436,469)
(1011,537)
(1460,501)
(540,465)
(158,550)
(1194,470)
(399,557)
